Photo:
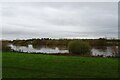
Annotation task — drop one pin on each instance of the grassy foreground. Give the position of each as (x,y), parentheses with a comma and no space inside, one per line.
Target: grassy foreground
(16,65)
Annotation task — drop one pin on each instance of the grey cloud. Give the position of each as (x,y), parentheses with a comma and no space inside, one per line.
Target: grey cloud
(50,19)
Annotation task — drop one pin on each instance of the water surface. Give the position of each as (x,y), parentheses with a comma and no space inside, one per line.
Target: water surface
(109,51)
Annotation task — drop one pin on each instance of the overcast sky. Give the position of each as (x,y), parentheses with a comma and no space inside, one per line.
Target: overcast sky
(59,20)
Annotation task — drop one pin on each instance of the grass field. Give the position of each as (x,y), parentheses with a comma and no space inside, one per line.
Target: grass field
(16,65)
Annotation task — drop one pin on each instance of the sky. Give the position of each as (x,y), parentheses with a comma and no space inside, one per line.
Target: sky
(23,20)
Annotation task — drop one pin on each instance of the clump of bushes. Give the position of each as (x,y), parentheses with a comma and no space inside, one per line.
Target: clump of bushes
(79,47)
(5,47)
(101,42)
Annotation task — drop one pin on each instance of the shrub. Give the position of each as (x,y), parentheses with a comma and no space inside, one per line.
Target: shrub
(5,47)
(101,42)
(79,47)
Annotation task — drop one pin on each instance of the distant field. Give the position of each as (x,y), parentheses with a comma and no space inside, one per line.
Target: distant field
(16,65)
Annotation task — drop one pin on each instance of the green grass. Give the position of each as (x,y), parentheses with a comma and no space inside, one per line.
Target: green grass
(53,66)
(0,64)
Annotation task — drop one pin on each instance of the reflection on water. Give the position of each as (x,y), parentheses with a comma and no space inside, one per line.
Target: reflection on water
(109,51)
(104,53)
(42,49)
